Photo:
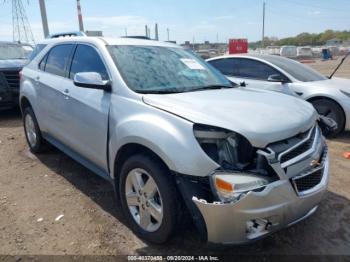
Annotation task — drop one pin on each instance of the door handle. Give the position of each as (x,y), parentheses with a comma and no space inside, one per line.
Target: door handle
(37,79)
(65,92)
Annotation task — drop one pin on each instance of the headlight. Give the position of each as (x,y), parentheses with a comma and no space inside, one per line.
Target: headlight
(230,187)
(229,149)
(236,158)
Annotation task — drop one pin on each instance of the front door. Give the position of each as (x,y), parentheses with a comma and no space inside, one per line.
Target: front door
(87,109)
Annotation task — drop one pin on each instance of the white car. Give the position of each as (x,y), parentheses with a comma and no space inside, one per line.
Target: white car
(330,97)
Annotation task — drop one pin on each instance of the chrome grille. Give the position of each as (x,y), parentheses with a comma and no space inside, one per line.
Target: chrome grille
(299,149)
(288,151)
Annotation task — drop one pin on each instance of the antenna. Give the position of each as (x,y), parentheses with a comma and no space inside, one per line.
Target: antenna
(21,31)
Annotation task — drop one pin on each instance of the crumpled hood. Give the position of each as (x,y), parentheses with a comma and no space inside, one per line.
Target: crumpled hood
(13,63)
(335,82)
(262,117)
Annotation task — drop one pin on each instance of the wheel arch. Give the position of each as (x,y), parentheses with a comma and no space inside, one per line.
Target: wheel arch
(312,99)
(128,150)
(24,102)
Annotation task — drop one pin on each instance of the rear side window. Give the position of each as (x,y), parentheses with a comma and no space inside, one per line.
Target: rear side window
(86,59)
(57,59)
(249,68)
(226,66)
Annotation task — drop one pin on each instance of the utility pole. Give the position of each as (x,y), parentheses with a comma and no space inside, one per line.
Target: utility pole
(263,26)
(168,33)
(146,30)
(80,17)
(126,31)
(44,18)
(156,35)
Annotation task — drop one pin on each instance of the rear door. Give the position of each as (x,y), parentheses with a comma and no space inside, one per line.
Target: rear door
(48,82)
(87,109)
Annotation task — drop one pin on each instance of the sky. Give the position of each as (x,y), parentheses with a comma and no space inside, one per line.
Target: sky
(191,20)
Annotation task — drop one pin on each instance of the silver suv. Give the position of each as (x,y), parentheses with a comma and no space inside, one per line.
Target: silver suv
(173,136)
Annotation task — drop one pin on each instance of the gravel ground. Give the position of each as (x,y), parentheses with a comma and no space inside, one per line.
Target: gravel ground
(35,190)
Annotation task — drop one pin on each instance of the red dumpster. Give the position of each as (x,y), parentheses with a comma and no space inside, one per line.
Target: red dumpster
(238,46)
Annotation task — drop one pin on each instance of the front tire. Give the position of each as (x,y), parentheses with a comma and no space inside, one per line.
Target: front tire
(36,142)
(328,108)
(149,198)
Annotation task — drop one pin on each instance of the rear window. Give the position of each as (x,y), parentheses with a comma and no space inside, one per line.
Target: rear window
(298,70)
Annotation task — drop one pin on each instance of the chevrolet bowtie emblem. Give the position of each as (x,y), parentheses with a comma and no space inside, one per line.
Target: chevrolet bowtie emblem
(315,163)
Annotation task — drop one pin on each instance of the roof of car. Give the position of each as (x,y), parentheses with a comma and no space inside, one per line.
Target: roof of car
(269,58)
(110,41)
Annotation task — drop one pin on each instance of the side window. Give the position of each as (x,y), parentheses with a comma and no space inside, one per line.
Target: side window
(86,59)
(226,66)
(250,68)
(57,59)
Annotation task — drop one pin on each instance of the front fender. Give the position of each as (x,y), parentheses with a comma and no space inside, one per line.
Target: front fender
(168,136)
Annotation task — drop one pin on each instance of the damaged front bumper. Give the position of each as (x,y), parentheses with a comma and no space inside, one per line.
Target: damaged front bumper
(257,214)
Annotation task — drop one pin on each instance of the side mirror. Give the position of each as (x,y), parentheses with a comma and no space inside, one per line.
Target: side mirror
(277,78)
(91,80)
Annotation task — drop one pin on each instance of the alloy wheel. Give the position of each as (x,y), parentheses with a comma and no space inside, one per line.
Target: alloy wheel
(144,200)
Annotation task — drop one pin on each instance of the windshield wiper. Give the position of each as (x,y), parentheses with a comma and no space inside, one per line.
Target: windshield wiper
(211,87)
(169,91)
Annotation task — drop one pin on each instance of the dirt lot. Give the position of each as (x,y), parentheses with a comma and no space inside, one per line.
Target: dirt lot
(44,187)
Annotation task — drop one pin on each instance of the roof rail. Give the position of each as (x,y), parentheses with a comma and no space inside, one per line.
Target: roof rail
(137,37)
(69,34)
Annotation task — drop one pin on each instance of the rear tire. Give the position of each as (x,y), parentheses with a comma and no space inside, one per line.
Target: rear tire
(328,108)
(36,142)
(152,214)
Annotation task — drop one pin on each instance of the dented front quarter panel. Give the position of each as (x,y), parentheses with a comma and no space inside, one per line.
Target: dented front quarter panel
(278,204)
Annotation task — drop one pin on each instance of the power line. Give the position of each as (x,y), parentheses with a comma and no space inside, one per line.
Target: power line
(22,31)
